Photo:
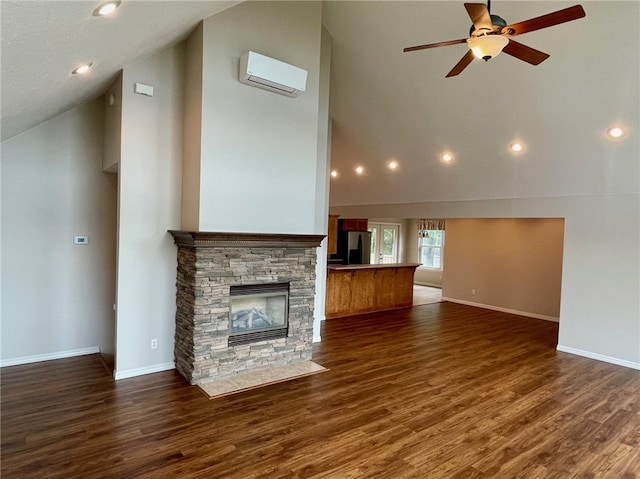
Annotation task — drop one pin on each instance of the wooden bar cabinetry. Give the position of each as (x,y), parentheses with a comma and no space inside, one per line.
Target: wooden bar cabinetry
(358,289)
(353,224)
(332,234)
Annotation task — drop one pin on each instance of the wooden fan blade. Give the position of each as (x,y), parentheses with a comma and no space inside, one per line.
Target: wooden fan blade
(462,64)
(434,45)
(525,53)
(548,20)
(479,14)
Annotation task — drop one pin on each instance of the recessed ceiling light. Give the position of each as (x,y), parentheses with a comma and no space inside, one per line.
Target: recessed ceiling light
(516,147)
(359,170)
(393,165)
(615,132)
(334,174)
(106,9)
(82,69)
(447,157)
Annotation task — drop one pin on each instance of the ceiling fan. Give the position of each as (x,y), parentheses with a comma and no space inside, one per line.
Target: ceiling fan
(490,35)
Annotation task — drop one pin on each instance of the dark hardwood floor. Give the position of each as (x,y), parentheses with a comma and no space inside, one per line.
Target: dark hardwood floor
(438,391)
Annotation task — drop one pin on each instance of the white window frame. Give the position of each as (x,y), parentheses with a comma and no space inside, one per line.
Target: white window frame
(440,247)
(398,242)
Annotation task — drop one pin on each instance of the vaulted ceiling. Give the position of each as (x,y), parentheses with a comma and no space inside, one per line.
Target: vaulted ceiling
(42,41)
(385,104)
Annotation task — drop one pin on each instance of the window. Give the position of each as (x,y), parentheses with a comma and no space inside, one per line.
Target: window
(430,244)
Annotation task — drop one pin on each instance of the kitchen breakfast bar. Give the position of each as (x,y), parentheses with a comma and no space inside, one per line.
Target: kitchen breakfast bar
(365,288)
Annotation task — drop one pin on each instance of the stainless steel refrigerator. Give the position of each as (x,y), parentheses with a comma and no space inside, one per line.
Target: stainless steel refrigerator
(354,247)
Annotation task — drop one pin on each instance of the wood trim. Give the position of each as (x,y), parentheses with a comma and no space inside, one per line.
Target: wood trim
(196,239)
(332,233)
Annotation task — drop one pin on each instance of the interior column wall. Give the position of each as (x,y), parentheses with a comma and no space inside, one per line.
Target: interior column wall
(322,179)
(149,205)
(192,147)
(259,152)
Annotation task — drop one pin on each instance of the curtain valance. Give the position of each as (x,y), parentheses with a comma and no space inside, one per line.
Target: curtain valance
(431,224)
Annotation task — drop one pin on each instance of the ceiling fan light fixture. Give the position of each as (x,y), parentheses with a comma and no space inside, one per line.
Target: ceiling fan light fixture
(487,46)
(489,35)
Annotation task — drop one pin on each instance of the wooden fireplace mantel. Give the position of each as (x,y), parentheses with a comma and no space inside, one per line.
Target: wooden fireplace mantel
(245,240)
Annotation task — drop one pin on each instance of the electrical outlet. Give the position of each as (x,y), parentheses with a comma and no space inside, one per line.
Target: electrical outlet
(473,291)
(154,344)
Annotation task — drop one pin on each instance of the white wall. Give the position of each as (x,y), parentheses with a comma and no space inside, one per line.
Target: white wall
(322,181)
(149,205)
(423,276)
(600,310)
(251,138)
(600,305)
(112,126)
(57,297)
(190,210)
(260,149)
(513,264)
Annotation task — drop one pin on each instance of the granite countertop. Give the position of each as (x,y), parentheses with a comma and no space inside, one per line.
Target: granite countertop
(342,267)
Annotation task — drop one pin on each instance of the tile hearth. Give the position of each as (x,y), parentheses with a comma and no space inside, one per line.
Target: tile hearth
(264,377)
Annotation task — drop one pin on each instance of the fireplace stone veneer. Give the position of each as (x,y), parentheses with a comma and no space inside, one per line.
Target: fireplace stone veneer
(208,265)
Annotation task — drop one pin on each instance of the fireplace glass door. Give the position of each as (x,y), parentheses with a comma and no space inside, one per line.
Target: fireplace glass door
(258,312)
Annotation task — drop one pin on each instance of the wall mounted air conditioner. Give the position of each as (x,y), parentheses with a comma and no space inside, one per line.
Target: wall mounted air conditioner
(271,74)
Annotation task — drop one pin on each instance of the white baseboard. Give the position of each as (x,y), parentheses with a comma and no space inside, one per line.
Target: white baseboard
(130,373)
(598,357)
(48,357)
(316,331)
(503,310)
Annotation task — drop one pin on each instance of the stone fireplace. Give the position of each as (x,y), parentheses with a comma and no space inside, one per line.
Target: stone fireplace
(244,302)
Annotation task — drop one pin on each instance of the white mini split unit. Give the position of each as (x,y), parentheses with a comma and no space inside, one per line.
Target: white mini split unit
(271,74)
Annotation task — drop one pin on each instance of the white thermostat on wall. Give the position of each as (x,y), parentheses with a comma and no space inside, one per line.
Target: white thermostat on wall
(142,89)
(80,240)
